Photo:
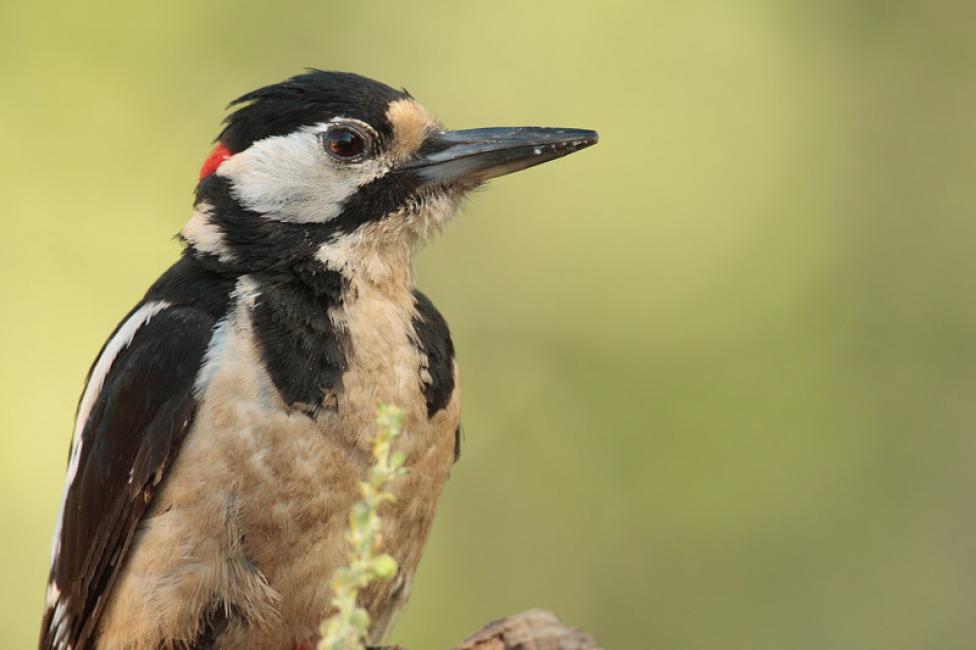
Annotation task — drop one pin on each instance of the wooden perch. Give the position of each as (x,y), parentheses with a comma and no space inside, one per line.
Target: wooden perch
(535,629)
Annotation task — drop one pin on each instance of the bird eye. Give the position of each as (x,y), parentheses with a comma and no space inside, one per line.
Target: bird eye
(345,143)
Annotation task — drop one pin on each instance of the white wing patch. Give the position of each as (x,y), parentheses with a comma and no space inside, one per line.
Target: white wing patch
(119,342)
(59,623)
(212,357)
(244,296)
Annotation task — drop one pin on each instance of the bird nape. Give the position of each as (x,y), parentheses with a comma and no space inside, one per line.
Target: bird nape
(225,423)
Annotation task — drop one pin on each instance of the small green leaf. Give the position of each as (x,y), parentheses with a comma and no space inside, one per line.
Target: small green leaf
(359,619)
(396,459)
(384,566)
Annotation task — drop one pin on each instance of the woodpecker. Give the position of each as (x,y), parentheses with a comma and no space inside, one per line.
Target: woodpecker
(226,421)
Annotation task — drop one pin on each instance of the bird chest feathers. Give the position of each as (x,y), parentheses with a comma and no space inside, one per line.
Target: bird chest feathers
(276,480)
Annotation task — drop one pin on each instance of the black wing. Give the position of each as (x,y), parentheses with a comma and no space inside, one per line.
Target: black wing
(130,430)
(434,339)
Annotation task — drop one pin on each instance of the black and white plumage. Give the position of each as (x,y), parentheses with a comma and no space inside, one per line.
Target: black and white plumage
(225,422)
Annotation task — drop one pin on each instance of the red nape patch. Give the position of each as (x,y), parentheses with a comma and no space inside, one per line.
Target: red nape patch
(219,154)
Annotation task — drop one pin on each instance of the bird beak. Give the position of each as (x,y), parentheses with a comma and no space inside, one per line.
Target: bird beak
(476,155)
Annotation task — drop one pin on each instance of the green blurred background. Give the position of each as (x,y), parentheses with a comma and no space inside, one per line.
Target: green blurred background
(718,371)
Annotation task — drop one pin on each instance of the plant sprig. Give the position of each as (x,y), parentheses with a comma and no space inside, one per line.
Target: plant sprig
(347,628)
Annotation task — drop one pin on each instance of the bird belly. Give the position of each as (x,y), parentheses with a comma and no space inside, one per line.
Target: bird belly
(248,526)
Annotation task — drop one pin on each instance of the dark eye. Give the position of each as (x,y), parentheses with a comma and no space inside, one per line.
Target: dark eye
(345,142)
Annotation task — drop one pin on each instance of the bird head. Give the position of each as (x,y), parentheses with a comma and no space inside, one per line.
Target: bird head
(333,169)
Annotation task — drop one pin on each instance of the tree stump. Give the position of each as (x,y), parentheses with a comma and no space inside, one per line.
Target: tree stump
(535,629)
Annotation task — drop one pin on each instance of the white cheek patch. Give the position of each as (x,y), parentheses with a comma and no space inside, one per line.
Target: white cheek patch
(291,178)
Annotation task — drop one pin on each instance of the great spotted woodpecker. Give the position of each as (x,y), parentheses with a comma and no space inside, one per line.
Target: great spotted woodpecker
(226,421)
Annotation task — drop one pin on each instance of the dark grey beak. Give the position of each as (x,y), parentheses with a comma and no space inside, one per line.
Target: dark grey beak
(476,155)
